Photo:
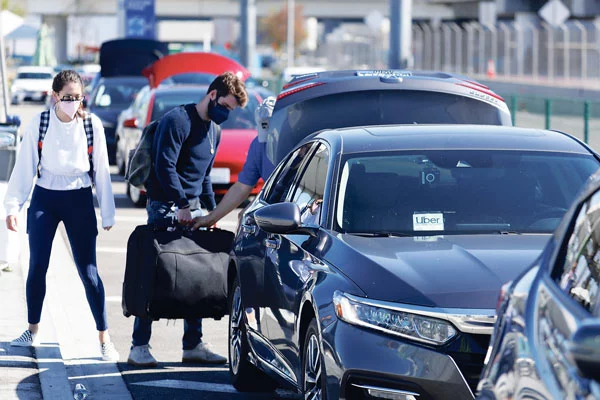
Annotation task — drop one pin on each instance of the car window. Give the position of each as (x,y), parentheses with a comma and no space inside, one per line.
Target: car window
(293,123)
(117,94)
(458,191)
(311,187)
(240,118)
(285,179)
(579,274)
(34,75)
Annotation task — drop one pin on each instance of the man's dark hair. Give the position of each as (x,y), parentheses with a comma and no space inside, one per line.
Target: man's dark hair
(64,77)
(230,83)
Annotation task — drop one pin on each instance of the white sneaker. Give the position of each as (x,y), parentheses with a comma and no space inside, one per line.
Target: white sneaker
(140,356)
(25,340)
(109,353)
(202,354)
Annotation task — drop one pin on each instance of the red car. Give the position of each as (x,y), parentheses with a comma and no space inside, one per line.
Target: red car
(180,79)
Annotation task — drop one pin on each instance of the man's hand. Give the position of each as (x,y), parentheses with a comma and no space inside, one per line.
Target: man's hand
(203,221)
(11,223)
(184,216)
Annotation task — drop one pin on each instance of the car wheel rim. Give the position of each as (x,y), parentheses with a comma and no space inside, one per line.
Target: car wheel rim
(312,370)
(235,331)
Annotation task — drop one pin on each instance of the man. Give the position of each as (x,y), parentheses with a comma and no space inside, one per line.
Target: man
(257,166)
(183,152)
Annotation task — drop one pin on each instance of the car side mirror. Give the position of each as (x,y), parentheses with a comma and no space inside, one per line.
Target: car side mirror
(584,350)
(282,218)
(130,123)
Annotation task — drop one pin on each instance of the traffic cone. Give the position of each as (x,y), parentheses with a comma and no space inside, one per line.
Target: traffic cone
(491,69)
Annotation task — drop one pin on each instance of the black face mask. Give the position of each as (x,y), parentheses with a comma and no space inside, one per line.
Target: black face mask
(217,112)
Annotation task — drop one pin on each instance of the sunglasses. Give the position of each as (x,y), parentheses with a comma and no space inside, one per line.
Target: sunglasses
(69,98)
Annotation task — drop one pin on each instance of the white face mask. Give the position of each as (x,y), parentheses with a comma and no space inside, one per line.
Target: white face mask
(69,107)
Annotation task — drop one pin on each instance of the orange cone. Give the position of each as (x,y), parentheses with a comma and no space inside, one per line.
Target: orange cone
(491,69)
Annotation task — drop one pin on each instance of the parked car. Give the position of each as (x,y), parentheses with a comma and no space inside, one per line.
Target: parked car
(114,88)
(546,342)
(184,78)
(338,99)
(370,263)
(31,83)
(237,133)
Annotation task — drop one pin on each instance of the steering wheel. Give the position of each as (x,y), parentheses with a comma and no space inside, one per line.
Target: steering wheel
(546,213)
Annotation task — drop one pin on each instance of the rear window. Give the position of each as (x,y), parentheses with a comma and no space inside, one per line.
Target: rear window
(292,124)
(117,93)
(240,118)
(34,75)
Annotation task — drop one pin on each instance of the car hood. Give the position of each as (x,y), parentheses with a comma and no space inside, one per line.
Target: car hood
(458,271)
(128,57)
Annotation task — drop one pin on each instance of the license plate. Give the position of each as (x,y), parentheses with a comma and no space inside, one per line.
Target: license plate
(220,175)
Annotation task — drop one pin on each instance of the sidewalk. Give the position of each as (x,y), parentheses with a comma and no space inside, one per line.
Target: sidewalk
(68,352)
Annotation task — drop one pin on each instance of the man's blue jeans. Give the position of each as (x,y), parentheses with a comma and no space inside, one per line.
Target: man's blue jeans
(165,215)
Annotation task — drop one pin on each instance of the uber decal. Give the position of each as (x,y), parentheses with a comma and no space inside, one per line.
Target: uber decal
(428,221)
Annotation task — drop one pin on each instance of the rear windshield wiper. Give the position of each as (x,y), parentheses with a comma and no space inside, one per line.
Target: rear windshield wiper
(379,234)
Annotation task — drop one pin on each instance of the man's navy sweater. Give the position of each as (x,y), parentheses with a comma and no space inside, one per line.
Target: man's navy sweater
(181,158)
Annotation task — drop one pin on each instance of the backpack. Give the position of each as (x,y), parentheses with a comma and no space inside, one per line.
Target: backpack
(89,134)
(140,158)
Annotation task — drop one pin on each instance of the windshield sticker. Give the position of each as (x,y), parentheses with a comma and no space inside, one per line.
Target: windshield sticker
(428,222)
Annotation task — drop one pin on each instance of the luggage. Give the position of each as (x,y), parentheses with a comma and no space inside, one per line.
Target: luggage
(176,274)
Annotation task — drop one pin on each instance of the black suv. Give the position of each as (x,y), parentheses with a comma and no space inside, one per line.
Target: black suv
(338,99)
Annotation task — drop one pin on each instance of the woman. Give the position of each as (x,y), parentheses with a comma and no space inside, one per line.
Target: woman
(67,163)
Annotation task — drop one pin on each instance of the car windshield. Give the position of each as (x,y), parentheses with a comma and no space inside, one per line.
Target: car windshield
(34,75)
(421,193)
(117,93)
(240,118)
(383,107)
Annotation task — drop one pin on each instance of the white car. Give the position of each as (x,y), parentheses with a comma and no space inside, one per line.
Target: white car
(31,83)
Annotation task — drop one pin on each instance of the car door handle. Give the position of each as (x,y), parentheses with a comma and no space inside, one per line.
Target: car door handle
(248,229)
(272,243)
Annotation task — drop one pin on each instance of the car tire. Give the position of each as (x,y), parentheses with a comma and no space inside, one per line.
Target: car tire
(313,365)
(136,196)
(245,377)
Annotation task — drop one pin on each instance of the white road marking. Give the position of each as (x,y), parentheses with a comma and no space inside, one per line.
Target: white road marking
(115,299)
(203,386)
(122,250)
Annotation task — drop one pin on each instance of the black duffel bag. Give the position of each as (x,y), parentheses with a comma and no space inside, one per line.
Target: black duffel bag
(176,274)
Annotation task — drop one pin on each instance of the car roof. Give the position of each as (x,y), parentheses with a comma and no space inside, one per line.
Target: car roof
(317,84)
(452,137)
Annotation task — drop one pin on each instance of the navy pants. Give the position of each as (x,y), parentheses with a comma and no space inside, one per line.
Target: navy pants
(75,208)
(164,215)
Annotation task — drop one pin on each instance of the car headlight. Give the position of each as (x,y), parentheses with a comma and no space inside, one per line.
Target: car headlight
(400,323)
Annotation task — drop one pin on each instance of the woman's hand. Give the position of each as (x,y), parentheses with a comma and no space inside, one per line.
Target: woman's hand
(11,223)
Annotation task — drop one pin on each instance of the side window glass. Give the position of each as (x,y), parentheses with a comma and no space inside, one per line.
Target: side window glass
(282,186)
(309,193)
(579,276)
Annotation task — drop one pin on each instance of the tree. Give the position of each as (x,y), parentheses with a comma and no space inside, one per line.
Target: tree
(14,8)
(274,27)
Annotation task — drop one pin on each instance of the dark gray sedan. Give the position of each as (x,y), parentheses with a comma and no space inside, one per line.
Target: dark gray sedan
(370,264)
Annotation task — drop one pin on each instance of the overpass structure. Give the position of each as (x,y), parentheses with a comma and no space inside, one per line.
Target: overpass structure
(94,21)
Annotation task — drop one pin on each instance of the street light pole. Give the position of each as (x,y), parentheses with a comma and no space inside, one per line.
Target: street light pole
(291,10)
(400,33)
(5,100)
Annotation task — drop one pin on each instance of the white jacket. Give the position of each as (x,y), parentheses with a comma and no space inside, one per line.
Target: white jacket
(64,166)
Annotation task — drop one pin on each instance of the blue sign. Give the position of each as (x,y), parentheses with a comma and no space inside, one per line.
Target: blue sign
(140,19)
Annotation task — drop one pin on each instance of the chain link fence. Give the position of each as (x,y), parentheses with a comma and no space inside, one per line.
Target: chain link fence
(528,50)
